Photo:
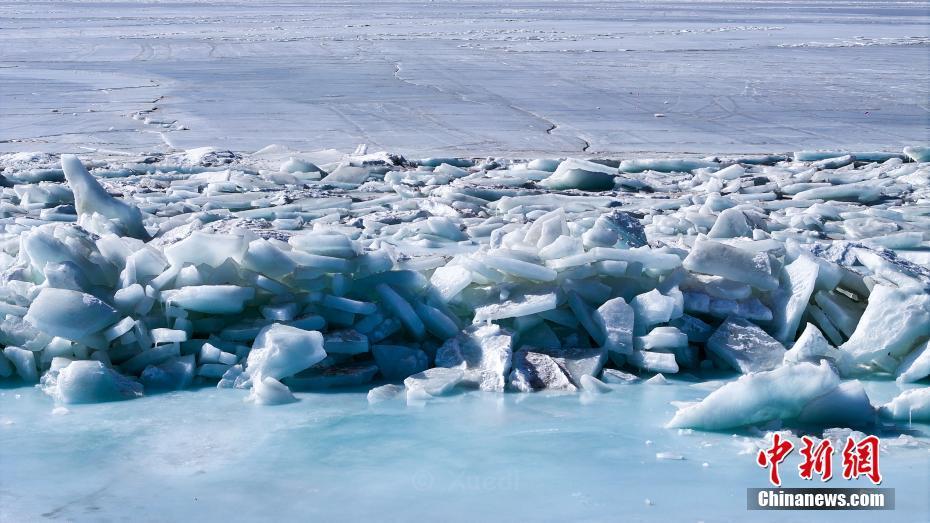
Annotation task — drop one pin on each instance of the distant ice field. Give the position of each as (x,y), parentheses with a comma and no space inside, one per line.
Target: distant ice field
(465,78)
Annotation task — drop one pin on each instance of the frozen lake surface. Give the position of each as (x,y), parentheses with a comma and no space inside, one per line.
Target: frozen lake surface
(465,78)
(207,455)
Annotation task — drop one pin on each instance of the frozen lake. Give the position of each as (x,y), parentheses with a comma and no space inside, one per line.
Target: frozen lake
(465,78)
(207,455)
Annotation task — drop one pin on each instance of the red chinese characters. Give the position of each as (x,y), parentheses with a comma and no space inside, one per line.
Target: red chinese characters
(861,459)
(817,459)
(772,457)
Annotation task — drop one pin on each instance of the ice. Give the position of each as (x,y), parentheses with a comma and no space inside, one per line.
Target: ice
(89,382)
(718,259)
(812,347)
(916,365)
(483,352)
(745,346)
(397,362)
(847,405)
(918,153)
(69,314)
(349,374)
(891,325)
(616,318)
(23,361)
(269,391)
(280,351)
(211,299)
(534,371)
(432,382)
(91,199)
(910,406)
(759,397)
(384,393)
(799,278)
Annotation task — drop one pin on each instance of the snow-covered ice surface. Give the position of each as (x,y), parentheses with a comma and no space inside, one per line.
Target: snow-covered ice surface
(465,78)
(207,455)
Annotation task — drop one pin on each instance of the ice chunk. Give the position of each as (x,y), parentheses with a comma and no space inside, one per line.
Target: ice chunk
(618,376)
(280,351)
(799,278)
(591,384)
(892,323)
(210,299)
(207,249)
(269,391)
(916,365)
(90,198)
(69,314)
(730,223)
(345,342)
(911,405)
(812,347)
(759,397)
(384,393)
(449,280)
(745,346)
(89,381)
(23,361)
(176,374)
(719,259)
(397,362)
(653,307)
(577,362)
(918,153)
(615,318)
(658,379)
(402,310)
(520,305)
(483,352)
(432,382)
(845,406)
(580,179)
(534,371)
(519,269)
(653,361)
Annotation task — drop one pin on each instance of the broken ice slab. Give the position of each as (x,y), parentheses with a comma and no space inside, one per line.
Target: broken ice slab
(210,299)
(759,397)
(909,406)
(719,259)
(69,314)
(893,322)
(520,305)
(745,346)
(89,382)
(432,382)
(534,371)
(280,351)
(483,352)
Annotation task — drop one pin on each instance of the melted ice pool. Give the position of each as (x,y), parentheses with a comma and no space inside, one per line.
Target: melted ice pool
(207,455)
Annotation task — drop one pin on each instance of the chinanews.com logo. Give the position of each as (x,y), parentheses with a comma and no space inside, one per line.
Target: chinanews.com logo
(859,459)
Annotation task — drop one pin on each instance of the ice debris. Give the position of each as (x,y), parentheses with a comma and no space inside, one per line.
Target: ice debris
(274,273)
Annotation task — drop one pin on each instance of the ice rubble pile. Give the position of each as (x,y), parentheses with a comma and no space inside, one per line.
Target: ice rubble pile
(270,273)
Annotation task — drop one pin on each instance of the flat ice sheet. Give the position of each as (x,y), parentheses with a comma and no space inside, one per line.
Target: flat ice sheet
(468,79)
(209,456)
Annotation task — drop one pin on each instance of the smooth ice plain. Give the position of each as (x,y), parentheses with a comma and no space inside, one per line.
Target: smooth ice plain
(126,83)
(465,78)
